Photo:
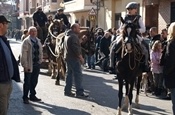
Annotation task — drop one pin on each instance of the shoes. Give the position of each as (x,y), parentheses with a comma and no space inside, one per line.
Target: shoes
(35,99)
(84,95)
(167,98)
(69,94)
(26,101)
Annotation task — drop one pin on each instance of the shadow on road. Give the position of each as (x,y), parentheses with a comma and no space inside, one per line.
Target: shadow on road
(101,90)
(149,108)
(56,110)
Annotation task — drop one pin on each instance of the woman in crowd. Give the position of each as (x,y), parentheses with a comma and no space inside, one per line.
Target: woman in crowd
(169,65)
(156,69)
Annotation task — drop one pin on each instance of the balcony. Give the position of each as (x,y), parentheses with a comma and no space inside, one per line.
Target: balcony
(51,6)
(78,5)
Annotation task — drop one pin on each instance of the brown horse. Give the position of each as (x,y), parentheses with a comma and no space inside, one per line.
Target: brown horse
(58,54)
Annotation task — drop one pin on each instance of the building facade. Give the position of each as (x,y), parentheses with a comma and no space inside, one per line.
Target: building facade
(156,13)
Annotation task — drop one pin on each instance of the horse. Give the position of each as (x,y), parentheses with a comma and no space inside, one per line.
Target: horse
(128,64)
(59,54)
(54,29)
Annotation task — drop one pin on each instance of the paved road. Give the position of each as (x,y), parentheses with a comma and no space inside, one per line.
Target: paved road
(102,101)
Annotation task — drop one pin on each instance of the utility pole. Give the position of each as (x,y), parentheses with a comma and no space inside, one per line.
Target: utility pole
(97,11)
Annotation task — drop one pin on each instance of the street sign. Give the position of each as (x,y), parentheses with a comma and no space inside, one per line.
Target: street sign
(92,12)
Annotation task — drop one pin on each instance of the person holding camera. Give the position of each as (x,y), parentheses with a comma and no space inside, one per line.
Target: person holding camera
(31,58)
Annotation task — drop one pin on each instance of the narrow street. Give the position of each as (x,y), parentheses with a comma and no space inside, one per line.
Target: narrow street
(102,89)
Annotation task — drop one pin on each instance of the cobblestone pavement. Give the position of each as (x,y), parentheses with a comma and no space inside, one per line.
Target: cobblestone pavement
(102,101)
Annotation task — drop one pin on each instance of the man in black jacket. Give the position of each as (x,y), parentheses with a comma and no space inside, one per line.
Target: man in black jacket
(8,67)
(154,35)
(40,20)
(61,16)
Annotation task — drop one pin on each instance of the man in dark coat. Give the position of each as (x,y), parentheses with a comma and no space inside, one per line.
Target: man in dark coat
(60,15)
(40,20)
(154,35)
(8,67)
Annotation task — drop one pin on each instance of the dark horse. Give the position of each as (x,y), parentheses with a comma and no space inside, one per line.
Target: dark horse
(128,64)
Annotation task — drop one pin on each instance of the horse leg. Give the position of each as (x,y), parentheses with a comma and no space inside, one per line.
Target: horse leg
(126,100)
(130,96)
(53,76)
(139,79)
(57,82)
(145,82)
(49,67)
(120,93)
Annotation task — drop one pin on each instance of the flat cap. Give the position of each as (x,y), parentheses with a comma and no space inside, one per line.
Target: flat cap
(3,19)
(132,5)
(60,9)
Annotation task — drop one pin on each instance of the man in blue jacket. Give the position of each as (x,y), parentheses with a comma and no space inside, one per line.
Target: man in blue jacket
(8,67)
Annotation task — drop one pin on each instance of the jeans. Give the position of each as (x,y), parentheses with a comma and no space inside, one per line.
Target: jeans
(74,70)
(173,99)
(91,61)
(158,80)
(30,82)
(5,91)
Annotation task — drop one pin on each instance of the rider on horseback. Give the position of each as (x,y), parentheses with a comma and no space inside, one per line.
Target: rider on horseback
(61,16)
(130,17)
(40,20)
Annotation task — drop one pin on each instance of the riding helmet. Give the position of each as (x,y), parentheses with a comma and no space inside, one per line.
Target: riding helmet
(132,5)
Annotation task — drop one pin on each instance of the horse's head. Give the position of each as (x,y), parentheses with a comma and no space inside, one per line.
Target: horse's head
(87,40)
(129,31)
(57,26)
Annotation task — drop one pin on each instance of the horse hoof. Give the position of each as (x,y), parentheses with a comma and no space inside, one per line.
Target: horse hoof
(57,83)
(53,77)
(119,111)
(137,106)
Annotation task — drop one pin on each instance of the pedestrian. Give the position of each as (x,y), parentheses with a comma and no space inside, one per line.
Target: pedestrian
(25,34)
(169,65)
(40,20)
(31,58)
(8,67)
(154,35)
(74,59)
(157,70)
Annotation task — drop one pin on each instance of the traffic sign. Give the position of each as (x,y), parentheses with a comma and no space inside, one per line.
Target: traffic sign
(92,12)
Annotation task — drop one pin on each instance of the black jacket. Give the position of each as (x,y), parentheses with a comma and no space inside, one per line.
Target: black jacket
(169,65)
(62,16)
(104,45)
(40,18)
(4,75)
(156,37)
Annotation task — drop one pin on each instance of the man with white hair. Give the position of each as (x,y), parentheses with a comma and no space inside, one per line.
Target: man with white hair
(31,58)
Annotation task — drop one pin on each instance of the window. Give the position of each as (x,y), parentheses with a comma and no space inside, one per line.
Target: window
(67,0)
(54,0)
(172,11)
(117,20)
